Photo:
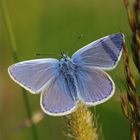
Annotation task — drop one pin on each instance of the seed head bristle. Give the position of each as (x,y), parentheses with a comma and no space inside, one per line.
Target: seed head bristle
(82,125)
(131,107)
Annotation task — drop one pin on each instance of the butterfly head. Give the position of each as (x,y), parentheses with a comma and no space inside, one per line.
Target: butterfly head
(64,57)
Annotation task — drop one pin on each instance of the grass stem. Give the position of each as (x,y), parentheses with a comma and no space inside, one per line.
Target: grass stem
(13,46)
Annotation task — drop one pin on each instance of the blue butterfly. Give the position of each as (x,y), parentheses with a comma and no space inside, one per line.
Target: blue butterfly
(64,82)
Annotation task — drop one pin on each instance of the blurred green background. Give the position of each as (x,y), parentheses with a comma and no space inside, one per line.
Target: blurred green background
(50,27)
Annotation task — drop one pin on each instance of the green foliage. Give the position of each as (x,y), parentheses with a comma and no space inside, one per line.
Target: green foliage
(50,26)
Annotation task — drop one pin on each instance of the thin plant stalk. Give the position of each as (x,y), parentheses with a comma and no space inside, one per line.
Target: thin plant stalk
(13,46)
(134,23)
(132,104)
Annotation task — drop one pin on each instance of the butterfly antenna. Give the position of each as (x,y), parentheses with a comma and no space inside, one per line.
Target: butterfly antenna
(44,55)
(75,42)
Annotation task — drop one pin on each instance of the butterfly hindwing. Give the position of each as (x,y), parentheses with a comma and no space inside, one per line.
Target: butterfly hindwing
(94,86)
(56,98)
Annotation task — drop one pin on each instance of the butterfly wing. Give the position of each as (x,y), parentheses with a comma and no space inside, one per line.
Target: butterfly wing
(94,86)
(56,98)
(103,53)
(33,75)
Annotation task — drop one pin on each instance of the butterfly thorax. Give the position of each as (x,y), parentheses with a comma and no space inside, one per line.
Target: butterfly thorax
(66,65)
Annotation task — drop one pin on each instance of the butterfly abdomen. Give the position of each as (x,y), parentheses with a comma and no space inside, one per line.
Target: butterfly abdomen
(68,71)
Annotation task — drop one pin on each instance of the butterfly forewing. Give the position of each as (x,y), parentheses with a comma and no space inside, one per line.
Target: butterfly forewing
(103,53)
(33,75)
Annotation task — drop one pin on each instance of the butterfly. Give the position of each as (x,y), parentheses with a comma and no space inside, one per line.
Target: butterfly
(64,82)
